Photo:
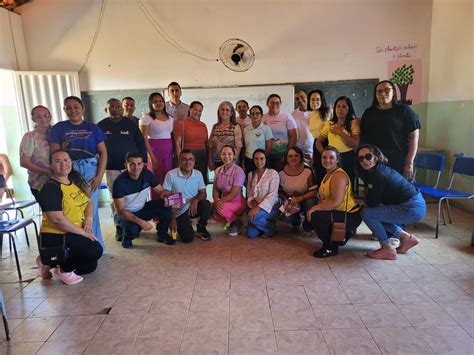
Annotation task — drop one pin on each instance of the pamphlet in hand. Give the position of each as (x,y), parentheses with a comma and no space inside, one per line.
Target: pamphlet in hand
(176,200)
(288,209)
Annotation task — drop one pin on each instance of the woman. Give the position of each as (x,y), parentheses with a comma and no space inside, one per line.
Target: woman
(392,127)
(191,133)
(298,189)
(225,132)
(34,150)
(84,141)
(320,114)
(336,204)
(243,119)
(342,133)
(157,128)
(67,218)
(391,201)
(256,136)
(229,203)
(5,172)
(262,198)
(283,127)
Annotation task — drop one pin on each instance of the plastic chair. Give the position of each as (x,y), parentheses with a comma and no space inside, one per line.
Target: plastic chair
(429,161)
(17,206)
(463,166)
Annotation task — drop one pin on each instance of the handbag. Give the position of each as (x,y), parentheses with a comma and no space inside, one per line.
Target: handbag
(54,255)
(338,232)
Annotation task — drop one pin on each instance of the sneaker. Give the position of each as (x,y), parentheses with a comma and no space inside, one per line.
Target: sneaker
(395,242)
(118,233)
(233,230)
(227,226)
(44,271)
(407,243)
(325,253)
(127,243)
(203,234)
(383,253)
(165,239)
(69,278)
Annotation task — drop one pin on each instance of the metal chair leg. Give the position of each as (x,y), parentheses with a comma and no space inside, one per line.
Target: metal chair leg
(449,212)
(26,236)
(4,316)
(16,255)
(437,217)
(442,214)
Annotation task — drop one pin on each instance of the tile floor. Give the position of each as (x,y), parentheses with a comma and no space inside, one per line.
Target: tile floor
(240,296)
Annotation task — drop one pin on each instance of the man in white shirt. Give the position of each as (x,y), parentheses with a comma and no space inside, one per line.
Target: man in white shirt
(305,138)
(175,107)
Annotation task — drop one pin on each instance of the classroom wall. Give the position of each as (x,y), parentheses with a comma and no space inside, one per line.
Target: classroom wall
(294,41)
(12,44)
(450,108)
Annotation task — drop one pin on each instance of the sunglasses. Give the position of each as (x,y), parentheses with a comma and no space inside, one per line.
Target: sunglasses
(367,157)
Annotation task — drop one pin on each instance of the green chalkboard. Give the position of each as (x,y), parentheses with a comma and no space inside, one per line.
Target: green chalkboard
(359,91)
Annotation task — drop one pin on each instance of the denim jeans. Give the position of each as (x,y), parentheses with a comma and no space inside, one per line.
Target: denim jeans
(88,169)
(389,218)
(263,222)
(152,209)
(295,219)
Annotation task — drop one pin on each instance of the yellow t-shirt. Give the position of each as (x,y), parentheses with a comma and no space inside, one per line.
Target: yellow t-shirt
(325,193)
(336,140)
(316,123)
(69,199)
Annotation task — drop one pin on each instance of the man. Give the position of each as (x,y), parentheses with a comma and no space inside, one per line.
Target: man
(175,107)
(242,108)
(305,138)
(130,193)
(190,183)
(123,136)
(128,104)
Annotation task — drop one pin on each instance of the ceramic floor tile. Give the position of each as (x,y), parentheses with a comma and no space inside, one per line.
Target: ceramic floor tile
(71,347)
(36,329)
(326,294)
(444,291)
(121,325)
(12,325)
(172,298)
(404,340)
(348,276)
(207,320)
(461,311)
(426,314)
(22,307)
(337,316)
(294,319)
(199,342)
(159,346)
(57,306)
(301,342)
(350,341)
(93,305)
(381,315)
(252,343)
(447,340)
(204,299)
(405,292)
(162,324)
(365,294)
(20,348)
(78,327)
(117,346)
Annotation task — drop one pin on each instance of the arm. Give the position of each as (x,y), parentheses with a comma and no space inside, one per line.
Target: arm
(7,168)
(96,181)
(292,136)
(61,222)
(145,130)
(308,194)
(350,140)
(201,196)
(338,189)
(412,149)
(268,146)
(120,207)
(54,147)
(210,162)
(25,162)
(319,143)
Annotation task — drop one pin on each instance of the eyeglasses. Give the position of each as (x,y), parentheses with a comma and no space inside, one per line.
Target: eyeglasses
(381,91)
(367,157)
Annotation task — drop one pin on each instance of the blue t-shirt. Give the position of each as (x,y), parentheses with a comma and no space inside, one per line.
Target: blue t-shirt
(79,140)
(134,192)
(189,187)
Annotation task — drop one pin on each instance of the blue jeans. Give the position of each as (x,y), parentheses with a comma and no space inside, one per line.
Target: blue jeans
(88,169)
(263,222)
(152,209)
(388,218)
(295,219)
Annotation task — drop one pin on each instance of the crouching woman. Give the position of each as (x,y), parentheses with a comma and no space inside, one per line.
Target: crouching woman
(67,218)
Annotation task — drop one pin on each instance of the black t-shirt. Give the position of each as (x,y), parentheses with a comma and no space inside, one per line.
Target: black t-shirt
(121,137)
(388,130)
(386,186)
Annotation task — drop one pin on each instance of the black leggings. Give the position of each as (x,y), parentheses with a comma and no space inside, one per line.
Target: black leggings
(83,252)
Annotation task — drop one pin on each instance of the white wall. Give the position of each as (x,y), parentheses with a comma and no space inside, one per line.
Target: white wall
(294,41)
(12,44)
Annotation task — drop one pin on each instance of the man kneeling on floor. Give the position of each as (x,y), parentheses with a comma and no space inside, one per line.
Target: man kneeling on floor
(190,183)
(130,193)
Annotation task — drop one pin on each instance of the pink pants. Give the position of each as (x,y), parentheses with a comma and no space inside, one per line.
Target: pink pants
(231,210)
(163,151)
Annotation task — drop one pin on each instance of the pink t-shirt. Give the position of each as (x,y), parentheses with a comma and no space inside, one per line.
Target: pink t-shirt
(234,176)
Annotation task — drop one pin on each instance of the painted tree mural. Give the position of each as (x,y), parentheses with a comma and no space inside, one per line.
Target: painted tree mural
(403,77)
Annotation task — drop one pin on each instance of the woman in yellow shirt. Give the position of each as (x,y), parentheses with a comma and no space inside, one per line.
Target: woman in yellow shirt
(336,204)
(342,133)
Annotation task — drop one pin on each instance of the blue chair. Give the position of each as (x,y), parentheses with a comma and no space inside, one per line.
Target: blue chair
(463,166)
(429,161)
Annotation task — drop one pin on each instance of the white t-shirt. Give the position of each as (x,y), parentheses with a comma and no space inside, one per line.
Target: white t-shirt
(280,125)
(305,138)
(158,129)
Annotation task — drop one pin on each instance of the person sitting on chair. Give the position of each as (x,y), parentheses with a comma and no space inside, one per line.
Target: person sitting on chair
(67,218)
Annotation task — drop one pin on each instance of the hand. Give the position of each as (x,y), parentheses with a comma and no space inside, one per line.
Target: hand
(193,207)
(337,130)
(253,212)
(295,200)
(173,225)
(146,226)
(90,236)
(310,212)
(219,205)
(408,171)
(87,225)
(154,162)
(95,183)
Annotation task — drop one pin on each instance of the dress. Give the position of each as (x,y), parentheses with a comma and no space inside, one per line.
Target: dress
(230,135)
(388,130)
(35,147)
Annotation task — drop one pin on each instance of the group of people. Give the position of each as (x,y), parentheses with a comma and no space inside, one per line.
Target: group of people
(301,166)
